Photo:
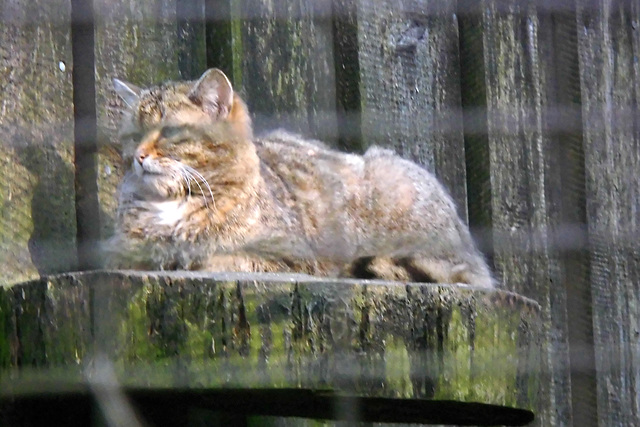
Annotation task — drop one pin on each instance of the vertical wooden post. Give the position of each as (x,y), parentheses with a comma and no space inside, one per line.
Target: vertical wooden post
(347,70)
(84,115)
(287,65)
(279,55)
(559,50)
(474,103)
(526,175)
(609,47)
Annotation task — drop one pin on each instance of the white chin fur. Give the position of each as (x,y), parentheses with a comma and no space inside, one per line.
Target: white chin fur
(137,168)
(169,212)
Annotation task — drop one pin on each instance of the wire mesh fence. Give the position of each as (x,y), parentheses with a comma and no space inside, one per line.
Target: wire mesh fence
(525,111)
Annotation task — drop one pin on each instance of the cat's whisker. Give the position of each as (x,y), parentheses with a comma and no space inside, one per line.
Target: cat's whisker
(191,178)
(193,174)
(178,173)
(197,174)
(187,179)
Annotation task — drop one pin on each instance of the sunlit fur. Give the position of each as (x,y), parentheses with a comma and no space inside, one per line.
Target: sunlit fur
(204,193)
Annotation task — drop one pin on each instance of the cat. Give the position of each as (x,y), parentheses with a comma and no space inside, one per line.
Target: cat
(203,193)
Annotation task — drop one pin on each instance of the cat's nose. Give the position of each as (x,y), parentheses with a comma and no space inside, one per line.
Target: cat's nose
(147,147)
(141,155)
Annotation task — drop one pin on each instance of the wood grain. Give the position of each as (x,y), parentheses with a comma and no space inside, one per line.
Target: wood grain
(37,212)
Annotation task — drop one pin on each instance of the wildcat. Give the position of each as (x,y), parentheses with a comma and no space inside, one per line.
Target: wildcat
(203,193)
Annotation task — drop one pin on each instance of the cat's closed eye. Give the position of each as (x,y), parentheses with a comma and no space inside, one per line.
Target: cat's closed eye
(169,132)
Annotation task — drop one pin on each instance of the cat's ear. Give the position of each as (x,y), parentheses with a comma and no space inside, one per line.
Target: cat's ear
(214,93)
(129,93)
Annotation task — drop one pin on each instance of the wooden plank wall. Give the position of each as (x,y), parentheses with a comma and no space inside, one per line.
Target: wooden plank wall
(285,65)
(521,159)
(525,110)
(410,85)
(609,47)
(37,196)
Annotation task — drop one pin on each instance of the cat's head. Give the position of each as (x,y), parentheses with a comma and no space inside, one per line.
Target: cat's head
(185,137)
(208,100)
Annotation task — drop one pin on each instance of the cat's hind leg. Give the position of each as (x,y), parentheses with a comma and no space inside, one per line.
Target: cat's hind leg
(380,268)
(425,269)
(418,269)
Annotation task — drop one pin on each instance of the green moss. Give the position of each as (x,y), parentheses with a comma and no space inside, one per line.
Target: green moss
(66,336)
(398,366)
(176,332)
(495,368)
(147,65)
(457,381)
(134,330)
(16,225)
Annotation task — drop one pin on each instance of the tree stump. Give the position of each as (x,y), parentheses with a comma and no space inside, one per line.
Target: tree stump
(258,335)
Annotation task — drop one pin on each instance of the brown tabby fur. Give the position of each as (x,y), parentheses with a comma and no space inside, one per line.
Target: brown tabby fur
(204,194)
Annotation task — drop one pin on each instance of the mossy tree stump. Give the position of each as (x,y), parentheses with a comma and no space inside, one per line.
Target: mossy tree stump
(253,331)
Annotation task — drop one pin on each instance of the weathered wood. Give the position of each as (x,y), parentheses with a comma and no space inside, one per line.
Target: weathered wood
(37,216)
(476,144)
(144,42)
(608,49)
(282,60)
(191,38)
(525,176)
(410,85)
(369,339)
(570,298)
(84,117)
(347,74)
